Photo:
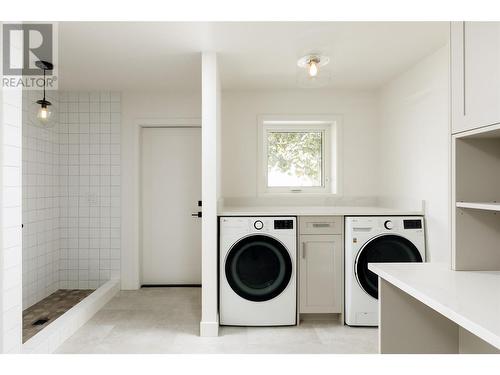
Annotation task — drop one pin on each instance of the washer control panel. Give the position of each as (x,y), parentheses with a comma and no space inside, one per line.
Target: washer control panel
(236,225)
(388,224)
(412,224)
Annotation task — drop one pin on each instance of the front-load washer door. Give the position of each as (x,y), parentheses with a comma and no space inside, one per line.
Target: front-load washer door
(258,268)
(382,249)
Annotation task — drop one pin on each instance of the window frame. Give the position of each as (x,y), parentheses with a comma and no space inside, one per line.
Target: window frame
(329,126)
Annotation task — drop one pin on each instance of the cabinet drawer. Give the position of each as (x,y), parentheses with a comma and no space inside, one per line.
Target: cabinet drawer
(320,224)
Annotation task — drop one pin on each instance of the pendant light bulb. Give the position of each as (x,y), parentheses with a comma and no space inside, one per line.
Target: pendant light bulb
(43,114)
(313,68)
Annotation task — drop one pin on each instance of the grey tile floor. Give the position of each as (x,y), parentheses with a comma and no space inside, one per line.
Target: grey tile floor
(166,320)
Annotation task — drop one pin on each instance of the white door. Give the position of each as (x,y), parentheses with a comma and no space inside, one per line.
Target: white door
(170,189)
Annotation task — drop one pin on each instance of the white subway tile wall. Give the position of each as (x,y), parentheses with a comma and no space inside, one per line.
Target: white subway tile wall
(40,202)
(11,238)
(11,105)
(90,181)
(71,194)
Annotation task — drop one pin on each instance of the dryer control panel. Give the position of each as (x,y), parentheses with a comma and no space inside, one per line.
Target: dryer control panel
(283,224)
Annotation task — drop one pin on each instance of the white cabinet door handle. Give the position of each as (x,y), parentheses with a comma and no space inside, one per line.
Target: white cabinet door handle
(303,250)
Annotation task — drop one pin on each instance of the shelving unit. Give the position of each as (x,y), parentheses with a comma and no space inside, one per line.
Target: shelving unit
(476,197)
(489,206)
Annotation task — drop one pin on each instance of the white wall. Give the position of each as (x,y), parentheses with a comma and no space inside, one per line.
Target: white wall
(413,141)
(138,107)
(239,134)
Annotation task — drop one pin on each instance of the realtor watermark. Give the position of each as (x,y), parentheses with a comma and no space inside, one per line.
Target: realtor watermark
(23,44)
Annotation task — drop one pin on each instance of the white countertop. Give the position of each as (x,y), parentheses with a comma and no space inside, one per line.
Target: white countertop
(312,211)
(471,299)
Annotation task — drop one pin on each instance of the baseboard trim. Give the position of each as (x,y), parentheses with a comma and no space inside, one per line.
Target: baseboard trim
(320,316)
(209,329)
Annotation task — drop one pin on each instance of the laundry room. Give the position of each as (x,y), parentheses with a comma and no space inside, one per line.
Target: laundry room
(259,188)
(339,155)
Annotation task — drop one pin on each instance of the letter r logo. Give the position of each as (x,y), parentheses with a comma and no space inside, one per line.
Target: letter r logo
(23,45)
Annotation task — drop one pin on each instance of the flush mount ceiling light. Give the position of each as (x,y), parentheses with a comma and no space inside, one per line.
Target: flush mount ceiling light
(312,63)
(44,112)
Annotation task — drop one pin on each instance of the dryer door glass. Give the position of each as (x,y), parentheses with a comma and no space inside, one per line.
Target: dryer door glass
(382,249)
(258,268)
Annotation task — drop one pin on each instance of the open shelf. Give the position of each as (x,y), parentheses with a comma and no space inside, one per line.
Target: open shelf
(490,206)
(491,131)
(475,218)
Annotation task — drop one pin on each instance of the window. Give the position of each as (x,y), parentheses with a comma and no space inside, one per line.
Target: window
(298,155)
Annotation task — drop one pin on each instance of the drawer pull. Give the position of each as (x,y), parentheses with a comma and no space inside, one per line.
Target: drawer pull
(321,225)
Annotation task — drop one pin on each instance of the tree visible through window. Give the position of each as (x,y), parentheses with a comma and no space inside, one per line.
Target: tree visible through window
(298,154)
(294,158)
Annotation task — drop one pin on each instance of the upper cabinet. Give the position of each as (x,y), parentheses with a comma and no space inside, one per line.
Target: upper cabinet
(475,75)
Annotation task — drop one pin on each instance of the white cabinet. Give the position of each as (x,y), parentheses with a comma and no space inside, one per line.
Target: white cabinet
(475,74)
(320,273)
(321,264)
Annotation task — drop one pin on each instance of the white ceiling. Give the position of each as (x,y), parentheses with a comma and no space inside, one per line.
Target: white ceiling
(166,56)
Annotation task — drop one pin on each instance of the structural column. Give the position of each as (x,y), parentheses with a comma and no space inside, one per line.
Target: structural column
(209,324)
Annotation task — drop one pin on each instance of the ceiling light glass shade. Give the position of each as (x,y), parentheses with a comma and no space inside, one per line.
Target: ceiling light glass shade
(312,72)
(44,118)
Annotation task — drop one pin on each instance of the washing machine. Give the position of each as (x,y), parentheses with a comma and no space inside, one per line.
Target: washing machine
(376,240)
(257,271)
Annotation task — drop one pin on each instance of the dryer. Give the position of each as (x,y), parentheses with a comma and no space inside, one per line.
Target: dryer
(379,239)
(257,271)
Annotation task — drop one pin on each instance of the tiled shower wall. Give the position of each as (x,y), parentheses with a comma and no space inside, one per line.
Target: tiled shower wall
(10,238)
(89,159)
(71,195)
(40,203)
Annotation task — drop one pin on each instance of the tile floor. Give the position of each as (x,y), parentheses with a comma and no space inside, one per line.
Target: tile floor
(166,320)
(50,308)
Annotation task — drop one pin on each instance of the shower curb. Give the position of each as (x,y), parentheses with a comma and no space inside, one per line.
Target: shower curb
(51,337)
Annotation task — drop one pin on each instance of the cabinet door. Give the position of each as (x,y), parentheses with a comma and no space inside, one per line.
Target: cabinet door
(321,274)
(475,74)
